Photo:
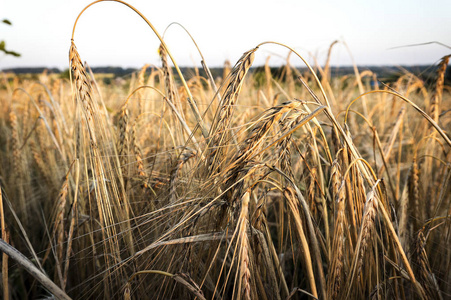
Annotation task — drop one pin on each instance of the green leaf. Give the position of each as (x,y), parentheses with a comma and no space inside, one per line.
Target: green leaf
(7,21)
(13,53)
(3,49)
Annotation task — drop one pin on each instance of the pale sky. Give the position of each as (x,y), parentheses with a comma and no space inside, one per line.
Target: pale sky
(111,34)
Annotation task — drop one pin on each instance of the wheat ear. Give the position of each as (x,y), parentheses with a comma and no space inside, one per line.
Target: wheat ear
(336,266)
(17,161)
(168,81)
(140,171)
(293,206)
(437,96)
(83,90)
(59,222)
(225,111)
(414,194)
(368,225)
(175,171)
(244,287)
(336,269)
(72,223)
(122,141)
(141,78)
(423,269)
(283,148)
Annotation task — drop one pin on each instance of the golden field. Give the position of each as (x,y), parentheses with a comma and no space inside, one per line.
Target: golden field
(246,185)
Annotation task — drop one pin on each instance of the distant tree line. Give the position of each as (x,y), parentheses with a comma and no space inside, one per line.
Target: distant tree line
(384,73)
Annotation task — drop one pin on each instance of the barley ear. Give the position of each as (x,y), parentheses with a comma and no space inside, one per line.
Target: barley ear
(437,95)
(423,270)
(336,269)
(225,111)
(83,90)
(367,227)
(245,273)
(122,142)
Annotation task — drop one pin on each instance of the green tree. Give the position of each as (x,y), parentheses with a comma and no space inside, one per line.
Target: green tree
(3,43)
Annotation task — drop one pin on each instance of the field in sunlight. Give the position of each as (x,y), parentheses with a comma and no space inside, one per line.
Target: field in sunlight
(250,184)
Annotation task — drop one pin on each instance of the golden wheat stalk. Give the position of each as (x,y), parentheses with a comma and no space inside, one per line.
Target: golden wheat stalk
(326,77)
(104,195)
(190,99)
(244,285)
(293,206)
(5,237)
(30,267)
(336,266)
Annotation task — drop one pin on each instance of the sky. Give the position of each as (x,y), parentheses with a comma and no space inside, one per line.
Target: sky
(111,34)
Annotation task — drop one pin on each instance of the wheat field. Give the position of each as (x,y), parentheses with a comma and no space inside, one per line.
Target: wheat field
(248,185)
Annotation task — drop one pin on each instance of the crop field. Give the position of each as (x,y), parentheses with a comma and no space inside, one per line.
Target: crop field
(250,184)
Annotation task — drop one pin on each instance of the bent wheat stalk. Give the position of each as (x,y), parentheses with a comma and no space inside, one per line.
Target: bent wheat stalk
(25,263)
(193,105)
